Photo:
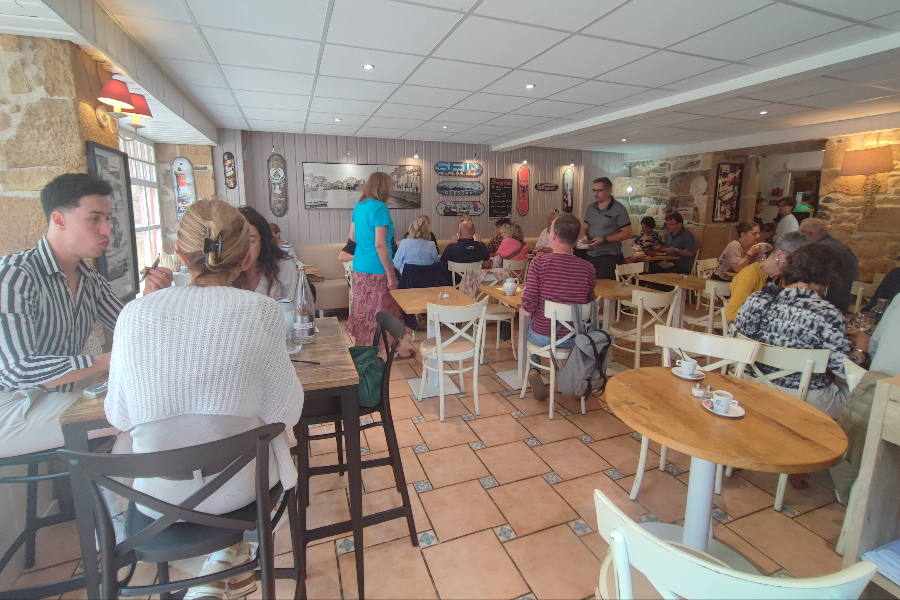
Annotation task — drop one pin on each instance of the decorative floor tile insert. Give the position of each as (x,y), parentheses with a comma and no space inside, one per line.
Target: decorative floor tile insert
(476,446)
(488,482)
(423,486)
(495,375)
(533,442)
(608,409)
(784,574)
(418,419)
(462,395)
(363,451)
(419,448)
(789,511)
(487,361)
(673,470)
(720,515)
(505,533)
(527,597)
(345,545)
(517,415)
(427,539)
(316,425)
(505,393)
(635,435)
(613,474)
(468,417)
(552,478)
(366,421)
(565,412)
(580,527)
(586,439)
(646,519)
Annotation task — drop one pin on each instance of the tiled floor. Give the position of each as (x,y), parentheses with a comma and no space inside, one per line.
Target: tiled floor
(503,502)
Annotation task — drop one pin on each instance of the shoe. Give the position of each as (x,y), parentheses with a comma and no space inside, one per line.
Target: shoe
(241,586)
(798,481)
(537,385)
(221,560)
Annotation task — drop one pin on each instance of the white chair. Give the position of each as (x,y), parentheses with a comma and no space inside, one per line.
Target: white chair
(703,268)
(712,317)
(731,352)
(862,291)
(559,314)
(499,313)
(877,278)
(627,274)
(459,269)
(658,305)
(676,571)
(463,343)
(348,275)
(854,374)
(517,269)
(788,361)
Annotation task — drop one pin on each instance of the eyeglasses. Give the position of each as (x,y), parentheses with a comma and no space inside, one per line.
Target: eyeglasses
(254,242)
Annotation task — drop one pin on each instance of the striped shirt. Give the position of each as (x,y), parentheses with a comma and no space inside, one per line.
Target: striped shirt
(42,327)
(562,278)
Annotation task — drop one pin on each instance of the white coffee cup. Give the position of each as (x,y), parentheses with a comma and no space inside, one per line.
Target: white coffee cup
(723,401)
(688,366)
(763,247)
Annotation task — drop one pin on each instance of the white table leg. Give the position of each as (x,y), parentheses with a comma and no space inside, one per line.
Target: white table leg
(698,512)
(516,378)
(607,311)
(679,302)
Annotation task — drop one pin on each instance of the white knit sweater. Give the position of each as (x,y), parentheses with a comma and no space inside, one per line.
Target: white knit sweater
(203,351)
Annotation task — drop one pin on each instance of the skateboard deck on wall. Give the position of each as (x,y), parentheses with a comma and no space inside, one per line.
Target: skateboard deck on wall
(546,187)
(568,190)
(455,208)
(458,169)
(523,190)
(460,188)
(278,202)
(230,174)
(185,192)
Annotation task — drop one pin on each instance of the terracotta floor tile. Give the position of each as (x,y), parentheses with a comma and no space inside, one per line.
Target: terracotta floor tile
(452,432)
(663,495)
(407,434)
(528,406)
(375,502)
(48,575)
(739,497)
(489,405)
(599,424)
(378,478)
(826,521)
(573,404)
(460,509)
(419,515)
(375,440)
(322,580)
(548,431)
(399,387)
(431,407)
(412,470)
(402,372)
(555,563)
(511,462)
(475,566)
(498,430)
(503,354)
(327,508)
(392,570)
(595,542)
(790,544)
(571,458)
(452,465)
(331,481)
(404,407)
(531,505)
(759,560)
(679,459)
(579,493)
(55,545)
(813,497)
(499,366)
(486,383)
(623,453)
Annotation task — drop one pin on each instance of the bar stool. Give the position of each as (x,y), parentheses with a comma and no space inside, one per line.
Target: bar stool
(332,413)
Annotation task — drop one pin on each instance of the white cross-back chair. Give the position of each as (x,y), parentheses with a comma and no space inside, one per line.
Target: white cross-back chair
(517,269)
(348,275)
(703,268)
(652,308)
(466,328)
(627,274)
(854,374)
(730,352)
(457,270)
(713,316)
(679,572)
(863,292)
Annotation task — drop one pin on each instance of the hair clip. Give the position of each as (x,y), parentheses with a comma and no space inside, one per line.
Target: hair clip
(211,246)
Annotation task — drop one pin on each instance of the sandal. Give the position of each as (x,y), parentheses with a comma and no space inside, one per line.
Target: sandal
(221,560)
(241,586)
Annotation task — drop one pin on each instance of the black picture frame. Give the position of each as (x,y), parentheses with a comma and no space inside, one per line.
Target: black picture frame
(727,201)
(119,262)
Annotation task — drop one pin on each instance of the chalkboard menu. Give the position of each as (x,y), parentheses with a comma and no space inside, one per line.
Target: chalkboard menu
(500,198)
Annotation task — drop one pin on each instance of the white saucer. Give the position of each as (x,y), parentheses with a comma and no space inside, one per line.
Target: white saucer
(697,376)
(733,412)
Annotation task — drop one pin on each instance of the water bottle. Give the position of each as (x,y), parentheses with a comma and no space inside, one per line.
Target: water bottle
(879,309)
(287,310)
(304,311)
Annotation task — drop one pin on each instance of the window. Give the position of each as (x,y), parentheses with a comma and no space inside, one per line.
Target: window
(142,167)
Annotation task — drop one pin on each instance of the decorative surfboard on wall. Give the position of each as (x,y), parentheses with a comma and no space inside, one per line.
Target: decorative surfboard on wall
(568,190)
(230,173)
(278,202)
(460,188)
(546,187)
(523,190)
(458,169)
(185,191)
(456,208)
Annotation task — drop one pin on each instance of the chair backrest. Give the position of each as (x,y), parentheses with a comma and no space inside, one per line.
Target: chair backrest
(718,291)
(657,304)
(673,571)
(464,322)
(348,275)
(459,269)
(561,314)
(704,267)
(729,350)
(387,324)
(629,273)
(862,291)
(517,268)
(789,361)
(877,278)
(854,373)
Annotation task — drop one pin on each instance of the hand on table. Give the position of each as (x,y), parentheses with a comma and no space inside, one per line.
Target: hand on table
(157,279)
(860,340)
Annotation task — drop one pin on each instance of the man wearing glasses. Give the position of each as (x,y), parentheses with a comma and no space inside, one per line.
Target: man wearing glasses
(606,225)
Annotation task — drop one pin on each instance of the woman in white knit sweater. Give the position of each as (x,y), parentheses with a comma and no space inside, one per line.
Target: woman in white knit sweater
(204,362)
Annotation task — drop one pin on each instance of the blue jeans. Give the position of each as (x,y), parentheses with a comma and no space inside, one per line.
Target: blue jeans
(544,340)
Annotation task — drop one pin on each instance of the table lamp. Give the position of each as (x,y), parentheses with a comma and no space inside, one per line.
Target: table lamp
(868,162)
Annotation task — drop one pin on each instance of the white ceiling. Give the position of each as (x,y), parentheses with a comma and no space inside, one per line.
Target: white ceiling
(455,70)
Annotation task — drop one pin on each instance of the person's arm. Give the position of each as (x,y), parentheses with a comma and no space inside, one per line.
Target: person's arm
(400,256)
(432,253)
(624,234)
(741,288)
(381,247)
(157,279)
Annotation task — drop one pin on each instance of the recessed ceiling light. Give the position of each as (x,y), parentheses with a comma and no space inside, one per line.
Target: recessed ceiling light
(524,162)
(368,67)
(338,120)
(763,112)
(444,127)
(571,164)
(529,86)
(624,140)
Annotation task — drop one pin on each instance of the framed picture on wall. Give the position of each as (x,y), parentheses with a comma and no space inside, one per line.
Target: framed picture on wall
(338,185)
(727,204)
(119,263)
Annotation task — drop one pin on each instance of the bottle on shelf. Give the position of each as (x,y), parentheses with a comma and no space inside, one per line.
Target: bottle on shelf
(304,311)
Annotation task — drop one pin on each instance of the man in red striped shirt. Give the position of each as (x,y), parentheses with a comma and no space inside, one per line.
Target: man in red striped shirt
(559,276)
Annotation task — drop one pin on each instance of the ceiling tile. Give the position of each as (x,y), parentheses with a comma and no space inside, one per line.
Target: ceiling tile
(597,92)
(247,78)
(551,108)
(661,68)
(328,118)
(460,5)
(492,129)
(254,50)
(191,72)
(391,122)
(473,117)
(439,126)
(855,94)
(880,71)
(168,39)
(211,95)
(590,113)
(772,111)
(800,89)
(275,114)
(671,118)
(891,21)
(518,121)
(347,107)
(569,15)
(469,138)
(513,84)
(220,110)
(288,18)
(720,107)
(552,125)
(173,9)
(232,123)
(769,28)
(892,84)
(438,72)
(353,89)
(270,100)
(343,61)
(407,111)
(862,11)
(492,103)
(335,129)
(823,43)
(426,136)
(708,123)
(276,126)
(582,56)
(387,25)
(712,77)
(427,96)
(380,132)
(641,98)
(496,42)
(749,127)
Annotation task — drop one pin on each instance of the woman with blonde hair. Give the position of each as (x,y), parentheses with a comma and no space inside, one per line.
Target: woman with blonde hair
(417,248)
(513,246)
(201,363)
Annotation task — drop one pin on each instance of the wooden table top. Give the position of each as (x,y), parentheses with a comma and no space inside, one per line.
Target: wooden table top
(84,410)
(605,288)
(675,280)
(414,300)
(659,257)
(496,291)
(778,433)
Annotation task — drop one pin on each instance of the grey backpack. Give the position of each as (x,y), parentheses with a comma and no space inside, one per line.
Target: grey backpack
(585,369)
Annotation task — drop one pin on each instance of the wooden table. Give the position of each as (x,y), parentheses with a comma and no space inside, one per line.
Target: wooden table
(680,283)
(778,433)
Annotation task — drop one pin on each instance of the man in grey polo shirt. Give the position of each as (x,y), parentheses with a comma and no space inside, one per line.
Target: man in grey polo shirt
(606,224)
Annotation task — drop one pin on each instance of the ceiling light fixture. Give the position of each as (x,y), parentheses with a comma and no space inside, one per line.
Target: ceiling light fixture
(140,110)
(524,162)
(415,154)
(624,140)
(115,93)
(763,112)
(368,67)
(571,164)
(529,86)
(444,127)
(337,120)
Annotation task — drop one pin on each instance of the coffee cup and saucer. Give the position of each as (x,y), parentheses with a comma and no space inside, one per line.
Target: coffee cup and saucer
(723,404)
(687,369)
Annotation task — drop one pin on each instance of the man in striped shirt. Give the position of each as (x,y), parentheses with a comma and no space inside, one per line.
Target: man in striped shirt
(559,276)
(50,299)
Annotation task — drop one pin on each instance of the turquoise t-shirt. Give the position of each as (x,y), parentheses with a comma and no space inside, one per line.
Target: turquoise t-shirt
(368,215)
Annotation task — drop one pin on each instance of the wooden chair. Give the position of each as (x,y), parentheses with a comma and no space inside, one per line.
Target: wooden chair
(712,317)
(731,352)
(459,269)
(862,291)
(659,307)
(627,274)
(348,275)
(517,269)
(463,343)
(676,571)
(559,314)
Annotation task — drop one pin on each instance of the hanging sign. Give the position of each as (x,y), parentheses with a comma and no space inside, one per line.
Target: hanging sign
(185,192)
(460,188)
(458,169)
(523,190)
(278,201)
(568,190)
(546,187)
(500,198)
(230,174)
(456,208)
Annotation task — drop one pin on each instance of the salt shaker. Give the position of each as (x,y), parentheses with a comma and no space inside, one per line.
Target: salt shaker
(697,391)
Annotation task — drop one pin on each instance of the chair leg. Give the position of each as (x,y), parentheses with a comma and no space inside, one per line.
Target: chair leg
(583,409)
(512,335)
(483,339)
(527,372)
(475,385)
(663,451)
(31,516)
(779,494)
(839,548)
(297,547)
(339,438)
(422,381)
(552,389)
(462,378)
(642,465)
(390,436)
(718,488)
(497,343)
(441,386)
(729,471)
(162,575)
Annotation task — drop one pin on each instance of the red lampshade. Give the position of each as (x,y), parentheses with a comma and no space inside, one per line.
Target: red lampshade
(116,94)
(141,109)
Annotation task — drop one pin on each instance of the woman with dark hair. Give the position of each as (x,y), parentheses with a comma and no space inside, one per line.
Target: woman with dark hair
(648,239)
(270,270)
(739,253)
(798,316)
(495,241)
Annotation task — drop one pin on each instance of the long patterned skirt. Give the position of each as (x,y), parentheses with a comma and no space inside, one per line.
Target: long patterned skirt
(371,295)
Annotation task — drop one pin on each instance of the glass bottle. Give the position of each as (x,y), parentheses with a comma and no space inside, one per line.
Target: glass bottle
(304,311)
(879,308)
(287,310)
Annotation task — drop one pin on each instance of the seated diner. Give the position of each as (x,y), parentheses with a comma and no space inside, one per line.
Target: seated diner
(738,253)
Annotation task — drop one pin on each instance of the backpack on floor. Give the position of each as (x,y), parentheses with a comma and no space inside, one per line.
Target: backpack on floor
(585,369)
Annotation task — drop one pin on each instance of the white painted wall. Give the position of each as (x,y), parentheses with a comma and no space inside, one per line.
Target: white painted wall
(775,163)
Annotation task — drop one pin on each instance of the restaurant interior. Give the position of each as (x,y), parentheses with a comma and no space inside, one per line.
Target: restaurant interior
(719,114)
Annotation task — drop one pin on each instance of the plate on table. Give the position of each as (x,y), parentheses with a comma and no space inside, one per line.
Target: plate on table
(734,412)
(697,376)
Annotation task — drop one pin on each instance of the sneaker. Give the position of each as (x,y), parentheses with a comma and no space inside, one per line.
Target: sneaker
(537,385)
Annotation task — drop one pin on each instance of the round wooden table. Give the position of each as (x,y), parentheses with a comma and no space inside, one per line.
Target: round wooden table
(778,433)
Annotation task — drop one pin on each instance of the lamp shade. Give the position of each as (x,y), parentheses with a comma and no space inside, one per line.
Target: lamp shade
(141,109)
(116,94)
(868,162)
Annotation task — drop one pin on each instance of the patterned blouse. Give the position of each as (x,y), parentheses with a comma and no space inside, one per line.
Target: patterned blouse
(494,243)
(796,318)
(653,238)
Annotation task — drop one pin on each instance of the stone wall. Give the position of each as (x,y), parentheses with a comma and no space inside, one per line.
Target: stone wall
(872,233)
(204,183)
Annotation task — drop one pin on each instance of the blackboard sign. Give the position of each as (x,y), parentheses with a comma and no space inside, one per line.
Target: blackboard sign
(500,198)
